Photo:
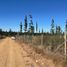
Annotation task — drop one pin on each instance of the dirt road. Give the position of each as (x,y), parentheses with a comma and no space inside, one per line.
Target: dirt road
(13,55)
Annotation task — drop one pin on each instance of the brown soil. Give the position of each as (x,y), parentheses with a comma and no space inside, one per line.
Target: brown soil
(12,54)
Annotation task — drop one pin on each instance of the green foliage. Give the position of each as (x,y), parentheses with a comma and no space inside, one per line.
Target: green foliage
(20,27)
(31,26)
(42,30)
(52,27)
(36,27)
(10,30)
(39,30)
(0,30)
(25,24)
(66,26)
(58,30)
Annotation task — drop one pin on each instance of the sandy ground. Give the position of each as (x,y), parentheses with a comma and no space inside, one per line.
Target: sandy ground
(13,55)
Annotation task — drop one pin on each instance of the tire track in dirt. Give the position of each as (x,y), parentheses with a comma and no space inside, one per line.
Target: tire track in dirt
(11,57)
(3,53)
(26,61)
(12,54)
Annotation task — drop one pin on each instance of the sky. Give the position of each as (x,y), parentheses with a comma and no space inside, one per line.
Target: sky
(42,11)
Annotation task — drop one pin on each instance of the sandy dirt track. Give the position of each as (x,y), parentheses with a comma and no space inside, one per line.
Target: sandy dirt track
(13,55)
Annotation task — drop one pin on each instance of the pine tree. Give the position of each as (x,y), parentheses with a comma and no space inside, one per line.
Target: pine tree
(0,30)
(42,30)
(10,30)
(36,27)
(58,30)
(52,27)
(25,24)
(21,27)
(39,30)
(66,30)
(66,26)
(31,26)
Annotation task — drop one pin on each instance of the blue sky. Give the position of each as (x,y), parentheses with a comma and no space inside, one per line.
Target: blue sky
(14,11)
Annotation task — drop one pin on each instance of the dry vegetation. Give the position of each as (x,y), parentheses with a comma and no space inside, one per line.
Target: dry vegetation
(46,49)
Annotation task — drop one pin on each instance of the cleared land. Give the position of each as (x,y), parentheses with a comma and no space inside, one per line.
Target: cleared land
(12,54)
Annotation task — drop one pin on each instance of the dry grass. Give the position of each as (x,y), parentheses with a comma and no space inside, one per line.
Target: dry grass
(48,42)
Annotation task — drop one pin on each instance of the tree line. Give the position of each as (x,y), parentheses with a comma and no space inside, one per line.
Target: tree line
(54,29)
(30,28)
